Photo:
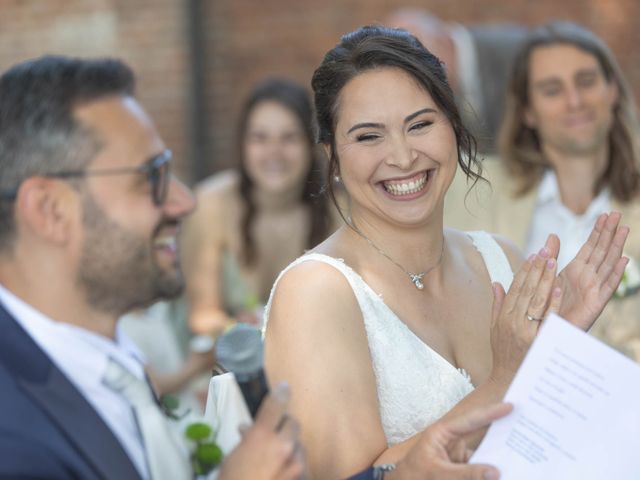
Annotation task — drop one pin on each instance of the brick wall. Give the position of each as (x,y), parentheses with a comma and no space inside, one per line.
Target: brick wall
(245,40)
(248,39)
(148,34)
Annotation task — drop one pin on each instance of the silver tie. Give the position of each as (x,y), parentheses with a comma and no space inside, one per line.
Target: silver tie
(165,457)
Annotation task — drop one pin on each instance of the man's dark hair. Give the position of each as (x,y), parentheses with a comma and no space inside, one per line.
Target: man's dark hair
(38,131)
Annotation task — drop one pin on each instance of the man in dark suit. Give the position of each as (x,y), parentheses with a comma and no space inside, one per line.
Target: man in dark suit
(478,59)
(89,214)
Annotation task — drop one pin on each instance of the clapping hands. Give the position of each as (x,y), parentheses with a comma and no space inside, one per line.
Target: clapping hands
(591,278)
(578,294)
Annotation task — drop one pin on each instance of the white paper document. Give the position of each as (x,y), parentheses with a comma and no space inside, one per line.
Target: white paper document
(576,412)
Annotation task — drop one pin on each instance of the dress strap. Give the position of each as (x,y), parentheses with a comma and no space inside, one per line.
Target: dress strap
(494,258)
(355,281)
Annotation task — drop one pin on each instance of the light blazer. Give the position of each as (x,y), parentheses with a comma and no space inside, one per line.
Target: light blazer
(48,430)
(496,209)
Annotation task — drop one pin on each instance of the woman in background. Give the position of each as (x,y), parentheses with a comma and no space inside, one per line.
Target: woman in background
(252,222)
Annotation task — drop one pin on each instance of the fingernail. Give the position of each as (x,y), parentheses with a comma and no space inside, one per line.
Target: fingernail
(491,474)
(551,263)
(544,253)
(281,392)
(531,257)
(557,292)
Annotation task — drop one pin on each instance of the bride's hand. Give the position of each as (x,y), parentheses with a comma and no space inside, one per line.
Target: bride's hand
(591,278)
(516,316)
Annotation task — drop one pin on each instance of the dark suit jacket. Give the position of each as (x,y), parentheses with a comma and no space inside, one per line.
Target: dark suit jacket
(48,430)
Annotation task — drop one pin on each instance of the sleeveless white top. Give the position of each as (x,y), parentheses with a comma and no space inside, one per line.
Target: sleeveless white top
(416,386)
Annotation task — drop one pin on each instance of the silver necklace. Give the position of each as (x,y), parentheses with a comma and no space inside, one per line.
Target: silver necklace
(416,278)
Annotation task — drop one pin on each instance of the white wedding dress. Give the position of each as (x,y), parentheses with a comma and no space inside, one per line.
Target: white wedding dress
(416,386)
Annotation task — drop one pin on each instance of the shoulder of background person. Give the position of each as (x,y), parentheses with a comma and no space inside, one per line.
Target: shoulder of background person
(466,202)
(631,217)
(470,206)
(217,203)
(224,182)
(503,187)
(218,193)
(495,172)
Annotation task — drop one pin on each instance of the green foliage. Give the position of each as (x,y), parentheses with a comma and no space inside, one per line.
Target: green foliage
(198,431)
(205,452)
(206,455)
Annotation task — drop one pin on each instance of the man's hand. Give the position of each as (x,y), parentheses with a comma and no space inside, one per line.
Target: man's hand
(441,451)
(270,449)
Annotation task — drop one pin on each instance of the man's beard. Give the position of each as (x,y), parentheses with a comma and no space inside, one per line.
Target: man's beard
(586,145)
(118,271)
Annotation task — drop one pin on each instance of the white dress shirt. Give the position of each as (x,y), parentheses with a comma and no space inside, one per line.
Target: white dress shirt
(82,356)
(552,216)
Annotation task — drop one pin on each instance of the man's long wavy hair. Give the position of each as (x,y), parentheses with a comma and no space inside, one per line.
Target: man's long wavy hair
(519,145)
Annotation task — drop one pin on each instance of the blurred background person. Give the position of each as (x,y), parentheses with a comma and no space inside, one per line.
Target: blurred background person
(477,58)
(568,152)
(251,222)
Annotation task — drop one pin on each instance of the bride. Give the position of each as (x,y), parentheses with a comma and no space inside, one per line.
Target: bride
(394,321)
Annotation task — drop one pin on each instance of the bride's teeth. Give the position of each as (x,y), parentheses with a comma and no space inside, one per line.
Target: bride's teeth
(166,242)
(407,188)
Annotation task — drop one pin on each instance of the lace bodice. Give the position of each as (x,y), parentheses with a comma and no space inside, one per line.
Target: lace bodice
(415,384)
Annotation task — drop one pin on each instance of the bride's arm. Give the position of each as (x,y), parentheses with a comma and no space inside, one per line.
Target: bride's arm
(316,341)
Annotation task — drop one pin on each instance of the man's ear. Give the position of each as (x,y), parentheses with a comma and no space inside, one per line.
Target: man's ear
(45,207)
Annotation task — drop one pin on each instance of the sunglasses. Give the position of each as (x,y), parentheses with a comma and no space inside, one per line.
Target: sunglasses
(156,170)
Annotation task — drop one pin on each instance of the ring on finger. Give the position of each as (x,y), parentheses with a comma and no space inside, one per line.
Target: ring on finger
(531,318)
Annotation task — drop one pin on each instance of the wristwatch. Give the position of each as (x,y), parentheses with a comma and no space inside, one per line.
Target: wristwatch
(380,470)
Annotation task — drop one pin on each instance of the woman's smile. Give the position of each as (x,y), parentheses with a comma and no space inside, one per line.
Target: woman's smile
(408,188)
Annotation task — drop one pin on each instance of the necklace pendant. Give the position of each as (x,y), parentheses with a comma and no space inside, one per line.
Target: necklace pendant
(416,278)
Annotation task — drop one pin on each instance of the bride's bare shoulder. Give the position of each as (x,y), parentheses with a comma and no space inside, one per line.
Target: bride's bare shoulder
(312,282)
(314,293)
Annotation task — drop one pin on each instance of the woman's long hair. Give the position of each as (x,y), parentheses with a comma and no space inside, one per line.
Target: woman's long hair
(294,98)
